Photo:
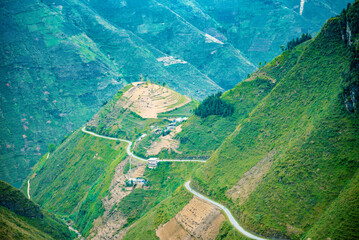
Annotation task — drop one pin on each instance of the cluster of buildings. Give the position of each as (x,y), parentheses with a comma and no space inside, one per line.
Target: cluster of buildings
(172,125)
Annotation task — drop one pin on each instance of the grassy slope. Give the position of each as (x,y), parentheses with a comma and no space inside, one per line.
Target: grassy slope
(164,181)
(61,61)
(84,166)
(38,102)
(210,133)
(76,176)
(27,221)
(146,227)
(304,119)
(201,137)
(340,220)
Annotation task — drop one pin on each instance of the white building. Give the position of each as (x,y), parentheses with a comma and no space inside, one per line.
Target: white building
(152,162)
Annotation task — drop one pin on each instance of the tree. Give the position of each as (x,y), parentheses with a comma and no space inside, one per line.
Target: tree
(51,147)
(295,42)
(214,105)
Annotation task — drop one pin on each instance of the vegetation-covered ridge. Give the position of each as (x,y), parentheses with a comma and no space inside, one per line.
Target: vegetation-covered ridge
(295,42)
(73,190)
(202,136)
(288,162)
(75,55)
(289,126)
(21,218)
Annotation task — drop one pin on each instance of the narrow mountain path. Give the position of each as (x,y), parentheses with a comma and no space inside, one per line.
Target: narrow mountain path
(28,181)
(28,188)
(128,149)
(229,214)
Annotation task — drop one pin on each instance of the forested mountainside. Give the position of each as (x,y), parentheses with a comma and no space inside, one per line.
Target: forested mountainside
(63,59)
(285,162)
(21,218)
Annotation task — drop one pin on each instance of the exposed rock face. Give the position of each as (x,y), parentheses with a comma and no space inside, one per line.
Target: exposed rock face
(197,220)
(351,98)
(349,34)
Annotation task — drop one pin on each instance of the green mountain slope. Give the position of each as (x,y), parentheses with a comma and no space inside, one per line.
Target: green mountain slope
(339,221)
(168,30)
(84,178)
(21,218)
(258,28)
(74,55)
(284,165)
(202,136)
(84,167)
(49,71)
(62,61)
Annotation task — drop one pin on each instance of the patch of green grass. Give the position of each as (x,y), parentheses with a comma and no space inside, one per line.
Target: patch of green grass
(145,227)
(228,232)
(340,219)
(74,188)
(163,182)
(21,218)
(304,118)
(184,111)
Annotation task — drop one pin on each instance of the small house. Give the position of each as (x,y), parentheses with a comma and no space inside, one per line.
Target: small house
(152,163)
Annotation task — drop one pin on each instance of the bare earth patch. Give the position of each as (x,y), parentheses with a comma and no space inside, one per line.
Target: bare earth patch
(107,226)
(251,179)
(197,220)
(147,99)
(167,141)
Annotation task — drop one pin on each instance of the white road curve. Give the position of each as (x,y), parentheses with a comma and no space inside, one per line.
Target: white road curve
(229,214)
(28,188)
(128,149)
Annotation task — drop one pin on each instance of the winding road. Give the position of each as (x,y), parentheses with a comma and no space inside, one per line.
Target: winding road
(229,214)
(128,149)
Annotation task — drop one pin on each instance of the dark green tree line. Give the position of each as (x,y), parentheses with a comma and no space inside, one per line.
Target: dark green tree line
(214,105)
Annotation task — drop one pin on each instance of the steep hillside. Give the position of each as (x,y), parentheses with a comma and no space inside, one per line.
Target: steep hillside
(74,55)
(61,62)
(200,137)
(49,71)
(75,177)
(258,28)
(289,170)
(86,179)
(160,24)
(20,218)
(290,159)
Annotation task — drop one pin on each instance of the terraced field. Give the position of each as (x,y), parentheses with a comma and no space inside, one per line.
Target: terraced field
(148,100)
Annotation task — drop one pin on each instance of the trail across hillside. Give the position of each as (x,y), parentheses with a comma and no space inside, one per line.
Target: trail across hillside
(229,214)
(128,149)
(28,188)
